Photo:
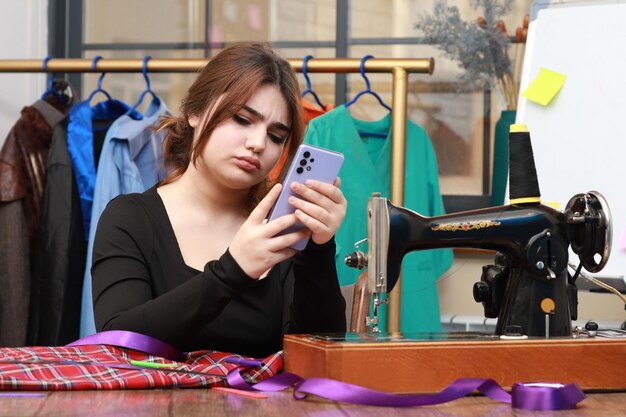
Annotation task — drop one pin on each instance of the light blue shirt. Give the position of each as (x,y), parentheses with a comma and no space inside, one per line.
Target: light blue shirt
(131,162)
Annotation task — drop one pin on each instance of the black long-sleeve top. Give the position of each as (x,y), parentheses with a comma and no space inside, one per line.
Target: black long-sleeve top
(142,284)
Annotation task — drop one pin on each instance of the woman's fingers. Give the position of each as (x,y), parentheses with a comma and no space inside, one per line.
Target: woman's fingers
(289,239)
(312,223)
(316,211)
(281,223)
(317,192)
(319,200)
(262,210)
(320,207)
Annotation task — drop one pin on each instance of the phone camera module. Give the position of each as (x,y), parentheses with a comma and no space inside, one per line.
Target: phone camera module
(312,160)
(303,162)
(300,170)
(307,154)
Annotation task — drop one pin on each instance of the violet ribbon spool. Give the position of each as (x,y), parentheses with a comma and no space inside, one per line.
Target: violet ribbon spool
(545,396)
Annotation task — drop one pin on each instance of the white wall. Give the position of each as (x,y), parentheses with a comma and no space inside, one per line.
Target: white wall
(23,35)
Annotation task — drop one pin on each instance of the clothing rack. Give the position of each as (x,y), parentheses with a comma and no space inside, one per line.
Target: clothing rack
(398,67)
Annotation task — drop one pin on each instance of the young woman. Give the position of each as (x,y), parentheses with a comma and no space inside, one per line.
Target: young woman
(193,261)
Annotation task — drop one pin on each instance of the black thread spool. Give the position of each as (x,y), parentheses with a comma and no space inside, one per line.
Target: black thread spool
(523,184)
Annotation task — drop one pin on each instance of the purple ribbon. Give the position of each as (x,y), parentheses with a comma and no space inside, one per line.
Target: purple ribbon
(535,396)
(523,396)
(131,340)
(245,363)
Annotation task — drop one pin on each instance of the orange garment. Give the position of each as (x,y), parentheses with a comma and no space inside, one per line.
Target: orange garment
(310,112)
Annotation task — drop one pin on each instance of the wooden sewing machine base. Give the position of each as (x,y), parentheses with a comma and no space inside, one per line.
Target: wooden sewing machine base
(407,366)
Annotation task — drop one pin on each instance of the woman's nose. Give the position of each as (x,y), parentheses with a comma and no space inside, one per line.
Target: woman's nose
(255,140)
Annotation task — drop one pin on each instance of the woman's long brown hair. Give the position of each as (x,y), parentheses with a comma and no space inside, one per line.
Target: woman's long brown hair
(233,76)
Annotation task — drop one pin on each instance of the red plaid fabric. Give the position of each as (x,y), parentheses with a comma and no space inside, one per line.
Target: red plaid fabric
(107,367)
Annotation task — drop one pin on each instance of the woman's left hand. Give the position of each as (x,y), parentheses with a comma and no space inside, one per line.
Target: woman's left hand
(322,208)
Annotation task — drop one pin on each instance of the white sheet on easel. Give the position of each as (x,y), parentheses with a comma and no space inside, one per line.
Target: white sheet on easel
(579,140)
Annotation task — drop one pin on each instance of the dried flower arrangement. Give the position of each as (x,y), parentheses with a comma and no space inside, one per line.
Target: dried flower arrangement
(480,47)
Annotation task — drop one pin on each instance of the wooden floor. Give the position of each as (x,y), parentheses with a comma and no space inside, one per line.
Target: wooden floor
(207,403)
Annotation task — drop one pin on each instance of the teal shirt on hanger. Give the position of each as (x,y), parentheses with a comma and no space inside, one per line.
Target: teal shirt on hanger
(367,169)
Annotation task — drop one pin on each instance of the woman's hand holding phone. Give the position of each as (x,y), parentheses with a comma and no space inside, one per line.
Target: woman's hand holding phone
(257,247)
(310,205)
(321,209)
(259,244)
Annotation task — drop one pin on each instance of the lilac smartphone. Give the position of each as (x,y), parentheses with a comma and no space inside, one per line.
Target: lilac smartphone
(309,162)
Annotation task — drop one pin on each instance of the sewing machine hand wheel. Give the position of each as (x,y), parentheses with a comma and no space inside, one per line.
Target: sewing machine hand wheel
(591,229)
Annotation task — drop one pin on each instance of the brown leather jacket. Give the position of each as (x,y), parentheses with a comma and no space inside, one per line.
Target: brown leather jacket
(24,157)
(23,162)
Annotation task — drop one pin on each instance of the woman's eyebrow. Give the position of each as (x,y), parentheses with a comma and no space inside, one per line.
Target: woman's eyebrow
(260,116)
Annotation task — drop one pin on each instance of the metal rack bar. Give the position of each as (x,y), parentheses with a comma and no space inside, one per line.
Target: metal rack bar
(325,65)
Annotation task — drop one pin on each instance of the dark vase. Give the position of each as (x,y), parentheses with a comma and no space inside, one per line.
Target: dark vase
(501,157)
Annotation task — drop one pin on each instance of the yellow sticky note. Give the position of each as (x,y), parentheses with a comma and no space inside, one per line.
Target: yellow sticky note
(545,87)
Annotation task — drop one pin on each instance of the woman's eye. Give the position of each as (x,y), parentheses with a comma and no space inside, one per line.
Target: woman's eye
(241,120)
(277,139)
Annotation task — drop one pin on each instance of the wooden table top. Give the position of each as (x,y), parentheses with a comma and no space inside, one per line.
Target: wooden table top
(208,403)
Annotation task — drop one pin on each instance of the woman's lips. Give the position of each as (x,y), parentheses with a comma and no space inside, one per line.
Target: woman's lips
(248,163)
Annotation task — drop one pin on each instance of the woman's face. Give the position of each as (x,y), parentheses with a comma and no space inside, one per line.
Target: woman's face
(242,150)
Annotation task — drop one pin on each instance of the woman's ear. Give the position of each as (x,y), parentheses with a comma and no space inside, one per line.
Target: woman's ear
(193,121)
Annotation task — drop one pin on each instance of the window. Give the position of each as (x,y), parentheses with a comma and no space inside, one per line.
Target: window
(460,126)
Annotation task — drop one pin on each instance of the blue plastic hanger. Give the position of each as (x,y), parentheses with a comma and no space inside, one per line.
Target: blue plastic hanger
(144,70)
(368,90)
(51,88)
(99,89)
(309,89)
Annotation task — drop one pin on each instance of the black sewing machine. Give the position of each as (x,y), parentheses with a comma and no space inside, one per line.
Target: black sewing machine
(528,288)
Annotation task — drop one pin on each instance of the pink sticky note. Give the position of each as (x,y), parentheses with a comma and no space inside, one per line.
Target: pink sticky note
(622,240)
(254,17)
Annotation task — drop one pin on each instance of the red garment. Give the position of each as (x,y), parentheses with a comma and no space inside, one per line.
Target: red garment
(311,111)
(19,369)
